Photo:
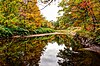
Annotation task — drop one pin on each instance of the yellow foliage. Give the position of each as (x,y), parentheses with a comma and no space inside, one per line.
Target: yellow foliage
(33,16)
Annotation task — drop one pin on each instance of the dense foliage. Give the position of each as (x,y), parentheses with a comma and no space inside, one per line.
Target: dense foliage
(83,13)
(20,17)
(80,19)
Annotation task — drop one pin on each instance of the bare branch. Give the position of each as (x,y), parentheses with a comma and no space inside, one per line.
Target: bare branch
(47,5)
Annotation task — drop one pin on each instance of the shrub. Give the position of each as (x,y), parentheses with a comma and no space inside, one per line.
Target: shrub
(20,31)
(5,32)
(43,30)
(98,36)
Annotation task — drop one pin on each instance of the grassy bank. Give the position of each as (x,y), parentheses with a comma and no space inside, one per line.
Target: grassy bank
(9,32)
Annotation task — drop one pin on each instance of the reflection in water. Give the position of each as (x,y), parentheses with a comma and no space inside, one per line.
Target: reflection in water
(49,55)
(78,59)
(56,50)
(21,52)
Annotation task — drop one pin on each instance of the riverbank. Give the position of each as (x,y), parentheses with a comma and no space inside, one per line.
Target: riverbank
(67,32)
(36,35)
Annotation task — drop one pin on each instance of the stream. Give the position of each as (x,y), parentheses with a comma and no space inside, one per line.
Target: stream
(53,50)
(49,56)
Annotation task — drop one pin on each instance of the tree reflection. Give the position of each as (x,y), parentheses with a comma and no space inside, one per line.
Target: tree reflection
(21,52)
(27,52)
(70,58)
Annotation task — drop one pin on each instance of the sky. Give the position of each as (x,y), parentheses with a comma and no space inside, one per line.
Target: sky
(50,12)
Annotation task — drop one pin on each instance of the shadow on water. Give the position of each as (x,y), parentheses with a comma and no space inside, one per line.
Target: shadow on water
(54,50)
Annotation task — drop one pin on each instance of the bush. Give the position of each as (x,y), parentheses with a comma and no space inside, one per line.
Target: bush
(19,31)
(5,32)
(43,30)
(98,39)
(98,36)
(86,34)
(8,32)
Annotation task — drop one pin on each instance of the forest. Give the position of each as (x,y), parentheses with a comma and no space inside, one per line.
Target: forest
(24,29)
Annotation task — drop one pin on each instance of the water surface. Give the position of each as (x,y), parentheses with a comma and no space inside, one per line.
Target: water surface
(49,56)
(55,50)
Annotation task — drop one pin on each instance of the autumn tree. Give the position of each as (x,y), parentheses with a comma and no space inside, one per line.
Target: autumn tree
(31,14)
(80,12)
(24,12)
(9,13)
